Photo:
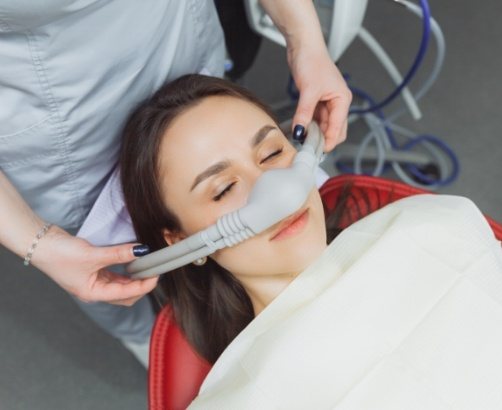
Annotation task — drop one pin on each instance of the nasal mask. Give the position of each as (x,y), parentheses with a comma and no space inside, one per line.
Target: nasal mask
(277,194)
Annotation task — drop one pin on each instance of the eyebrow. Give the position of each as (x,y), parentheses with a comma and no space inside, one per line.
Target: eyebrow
(222,165)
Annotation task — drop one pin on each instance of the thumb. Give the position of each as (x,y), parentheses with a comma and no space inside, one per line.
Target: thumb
(305,109)
(117,254)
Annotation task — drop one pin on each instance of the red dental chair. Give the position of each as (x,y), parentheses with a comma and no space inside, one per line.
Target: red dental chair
(176,371)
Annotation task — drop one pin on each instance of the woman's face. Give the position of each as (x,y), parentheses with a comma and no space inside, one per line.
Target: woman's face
(210,159)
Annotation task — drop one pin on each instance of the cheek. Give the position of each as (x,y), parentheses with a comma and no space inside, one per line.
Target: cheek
(242,258)
(195,220)
(197,216)
(259,256)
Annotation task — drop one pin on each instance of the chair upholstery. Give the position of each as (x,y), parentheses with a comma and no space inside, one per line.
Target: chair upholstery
(177,371)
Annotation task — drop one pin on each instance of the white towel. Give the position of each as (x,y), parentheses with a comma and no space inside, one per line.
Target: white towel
(402,311)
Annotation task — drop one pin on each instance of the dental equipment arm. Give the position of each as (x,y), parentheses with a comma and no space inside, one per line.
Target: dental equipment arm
(290,187)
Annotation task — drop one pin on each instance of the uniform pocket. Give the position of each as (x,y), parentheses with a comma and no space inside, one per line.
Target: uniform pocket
(33,163)
(25,147)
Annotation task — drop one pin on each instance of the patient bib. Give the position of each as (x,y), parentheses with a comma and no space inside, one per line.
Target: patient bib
(402,311)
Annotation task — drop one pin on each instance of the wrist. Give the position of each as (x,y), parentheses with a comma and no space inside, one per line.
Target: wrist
(20,240)
(298,22)
(307,49)
(304,44)
(40,234)
(45,249)
(306,55)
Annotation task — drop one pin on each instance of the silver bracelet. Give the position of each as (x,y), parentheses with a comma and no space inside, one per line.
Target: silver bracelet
(39,236)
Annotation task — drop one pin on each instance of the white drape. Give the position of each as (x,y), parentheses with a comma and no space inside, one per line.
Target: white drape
(402,311)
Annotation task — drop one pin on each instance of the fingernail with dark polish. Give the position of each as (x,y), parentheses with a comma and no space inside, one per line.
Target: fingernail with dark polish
(298,132)
(141,250)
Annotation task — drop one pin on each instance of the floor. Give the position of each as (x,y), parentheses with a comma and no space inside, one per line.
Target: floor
(53,357)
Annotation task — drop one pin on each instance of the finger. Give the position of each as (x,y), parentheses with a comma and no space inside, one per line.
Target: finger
(345,128)
(125,302)
(110,287)
(322,116)
(305,110)
(107,276)
(338,110)
(112,255)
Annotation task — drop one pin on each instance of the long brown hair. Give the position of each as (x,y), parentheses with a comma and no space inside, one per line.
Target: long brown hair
(208,303)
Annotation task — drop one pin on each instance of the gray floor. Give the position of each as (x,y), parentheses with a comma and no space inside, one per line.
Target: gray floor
(52,357)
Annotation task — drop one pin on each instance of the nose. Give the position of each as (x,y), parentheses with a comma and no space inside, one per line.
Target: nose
(252,172)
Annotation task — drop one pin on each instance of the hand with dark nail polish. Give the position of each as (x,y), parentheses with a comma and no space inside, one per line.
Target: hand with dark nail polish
(141,250)
(299,133)
(90,279)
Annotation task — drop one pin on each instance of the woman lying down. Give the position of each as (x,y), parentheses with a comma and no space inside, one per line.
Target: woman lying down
(402,310)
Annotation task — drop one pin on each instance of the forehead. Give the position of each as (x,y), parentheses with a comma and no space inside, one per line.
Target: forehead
(213,129)
(219,115)
(215,121)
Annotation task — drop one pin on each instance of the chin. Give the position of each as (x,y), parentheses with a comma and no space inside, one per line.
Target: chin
(304,254)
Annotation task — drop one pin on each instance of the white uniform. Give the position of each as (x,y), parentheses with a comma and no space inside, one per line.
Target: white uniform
(70,73)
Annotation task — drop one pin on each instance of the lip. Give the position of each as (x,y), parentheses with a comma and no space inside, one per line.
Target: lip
(289,222)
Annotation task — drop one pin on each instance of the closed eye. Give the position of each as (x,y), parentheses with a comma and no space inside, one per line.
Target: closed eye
(230,186)
(224,192)
(274,154)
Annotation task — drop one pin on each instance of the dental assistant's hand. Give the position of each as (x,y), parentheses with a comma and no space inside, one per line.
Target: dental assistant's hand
(79,267)
(73,263)
(324,95)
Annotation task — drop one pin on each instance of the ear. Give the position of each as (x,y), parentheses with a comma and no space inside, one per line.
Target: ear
(172,237)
